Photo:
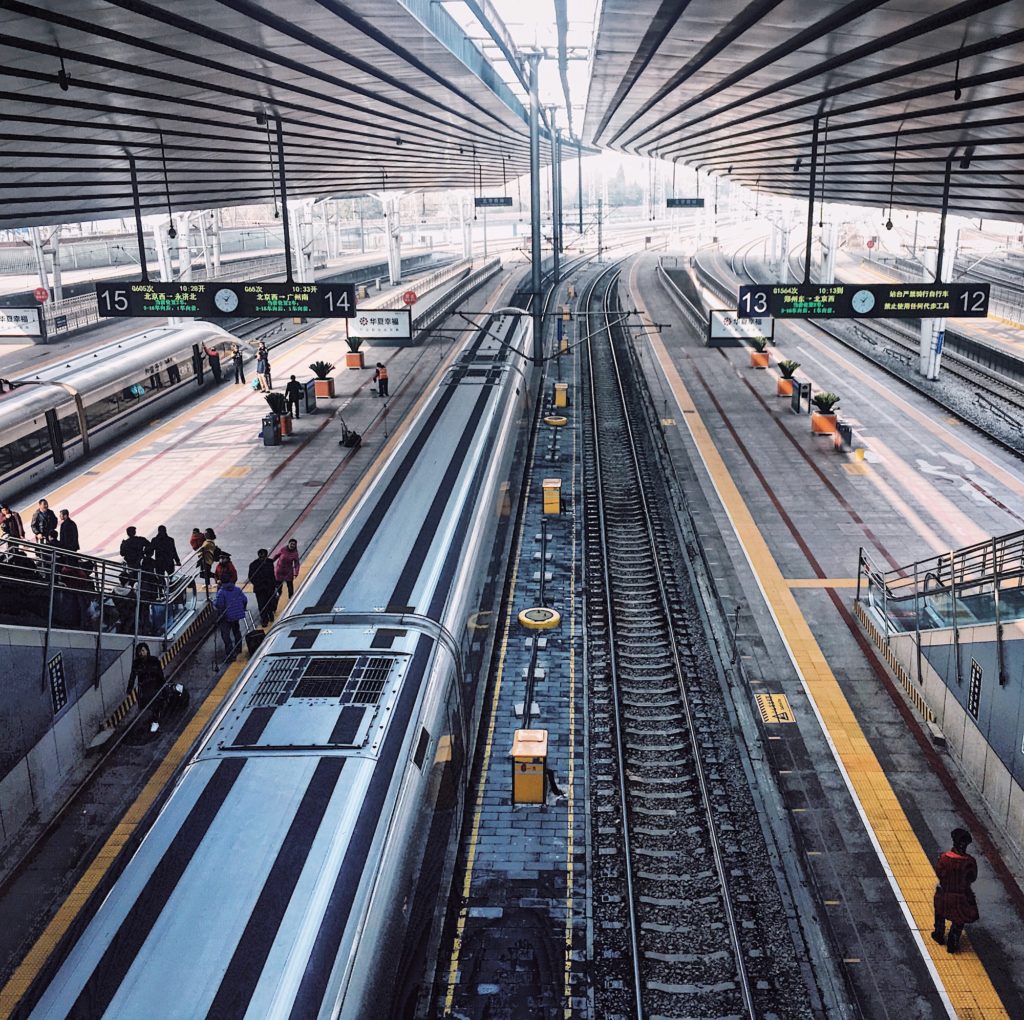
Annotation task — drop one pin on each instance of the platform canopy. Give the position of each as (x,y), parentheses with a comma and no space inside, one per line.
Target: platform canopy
(373,95)
(733,87)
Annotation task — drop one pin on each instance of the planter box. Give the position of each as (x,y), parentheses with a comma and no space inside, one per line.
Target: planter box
(324,388)
(784,388)
(354,359)
(759,359)
(823,424)
(286,424)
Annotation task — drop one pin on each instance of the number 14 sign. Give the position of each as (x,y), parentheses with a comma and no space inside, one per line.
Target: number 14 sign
(866,300)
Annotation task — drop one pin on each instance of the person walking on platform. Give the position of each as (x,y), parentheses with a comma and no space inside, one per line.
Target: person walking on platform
(213,357)
(380,377)
(165,553)
(44,520)
(11,525)
(264,586)
(957,871)
(147,675)
(293,394)
(230,603)
(286,566)
(207,556)
(238,364)
(67,533)
(133,548)
(263,369)
(196,539)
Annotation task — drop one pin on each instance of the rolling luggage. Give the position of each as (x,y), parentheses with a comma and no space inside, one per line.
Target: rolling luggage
(253,639)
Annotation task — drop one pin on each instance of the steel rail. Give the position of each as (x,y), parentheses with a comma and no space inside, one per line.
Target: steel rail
(664,605)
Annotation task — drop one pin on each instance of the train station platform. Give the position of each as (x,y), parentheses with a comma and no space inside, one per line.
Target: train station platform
(206,466)
(517,935)
(781,518)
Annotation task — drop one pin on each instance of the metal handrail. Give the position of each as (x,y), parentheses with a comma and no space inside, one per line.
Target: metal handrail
(47,586)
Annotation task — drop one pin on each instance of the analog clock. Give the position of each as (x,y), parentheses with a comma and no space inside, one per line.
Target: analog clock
(226,300)
(863,301)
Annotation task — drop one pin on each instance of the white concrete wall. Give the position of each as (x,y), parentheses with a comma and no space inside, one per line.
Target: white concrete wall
(964,740)
(32,786)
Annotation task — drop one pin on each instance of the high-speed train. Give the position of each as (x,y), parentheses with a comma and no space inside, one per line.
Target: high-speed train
(70,408)
(300,866)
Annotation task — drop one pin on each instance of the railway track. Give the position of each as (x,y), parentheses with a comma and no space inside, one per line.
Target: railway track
(688,919)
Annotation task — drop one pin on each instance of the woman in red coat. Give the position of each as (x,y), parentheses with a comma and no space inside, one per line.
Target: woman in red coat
(954,901)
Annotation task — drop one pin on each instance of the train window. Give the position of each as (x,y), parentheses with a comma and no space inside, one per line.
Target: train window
(24,449)
(69,427)
(421,748)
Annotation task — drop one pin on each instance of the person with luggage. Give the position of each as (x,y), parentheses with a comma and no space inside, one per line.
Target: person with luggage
(230,603)
(286,566)
(293,394)
(264,586)
(147,675)
(380,377)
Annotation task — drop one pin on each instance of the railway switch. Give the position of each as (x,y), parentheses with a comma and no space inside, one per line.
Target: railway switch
(529,763)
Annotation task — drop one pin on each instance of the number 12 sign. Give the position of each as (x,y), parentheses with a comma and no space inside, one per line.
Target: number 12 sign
(866,300)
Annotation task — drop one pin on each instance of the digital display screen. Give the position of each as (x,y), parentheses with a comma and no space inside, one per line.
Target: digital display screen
(866,300)
(211,300)
(684,203)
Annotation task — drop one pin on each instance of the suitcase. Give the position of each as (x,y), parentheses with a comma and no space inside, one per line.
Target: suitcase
(253,639)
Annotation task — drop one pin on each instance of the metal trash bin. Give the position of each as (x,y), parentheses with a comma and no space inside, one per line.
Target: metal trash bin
(271,430)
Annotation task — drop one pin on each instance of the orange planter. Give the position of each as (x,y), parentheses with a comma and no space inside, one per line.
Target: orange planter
(759,359)
(822,424)
(354,359)
(324,388)
(286,424)
(784,388)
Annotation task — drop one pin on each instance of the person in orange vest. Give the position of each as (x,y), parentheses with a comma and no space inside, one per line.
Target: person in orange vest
(957,871)
(380,377)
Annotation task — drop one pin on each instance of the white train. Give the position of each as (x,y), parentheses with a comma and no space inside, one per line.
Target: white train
(300,866)
(69,409)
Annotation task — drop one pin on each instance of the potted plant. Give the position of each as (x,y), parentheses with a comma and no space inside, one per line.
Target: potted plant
(823,420)
(784,386)
(759,356)
(354,358)
(279,407)
(324,384)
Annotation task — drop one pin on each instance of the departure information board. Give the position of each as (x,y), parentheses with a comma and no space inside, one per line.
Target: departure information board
(866,300)
(212,300)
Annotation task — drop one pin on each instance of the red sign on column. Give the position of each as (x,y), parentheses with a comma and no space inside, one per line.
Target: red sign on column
(42,294)
(409,297)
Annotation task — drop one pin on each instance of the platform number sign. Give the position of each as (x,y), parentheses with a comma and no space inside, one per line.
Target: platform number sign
(58,684)
(974,691)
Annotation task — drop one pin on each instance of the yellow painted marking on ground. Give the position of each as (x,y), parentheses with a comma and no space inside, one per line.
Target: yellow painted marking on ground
(851,959)
(55,931)
(238,471)
(668,421)
(822,582)
(774,708)
(856,468)
(832,903)
(961,979)
(33,962)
